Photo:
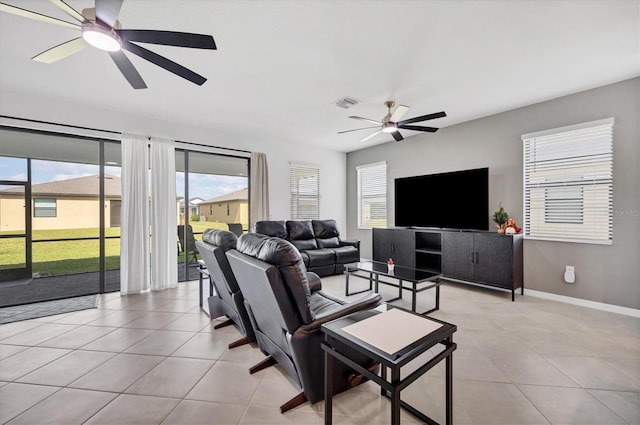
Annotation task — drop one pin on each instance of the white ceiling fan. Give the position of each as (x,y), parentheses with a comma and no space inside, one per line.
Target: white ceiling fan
(391,122)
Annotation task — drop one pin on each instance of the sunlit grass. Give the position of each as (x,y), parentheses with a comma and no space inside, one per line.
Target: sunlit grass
(75,256)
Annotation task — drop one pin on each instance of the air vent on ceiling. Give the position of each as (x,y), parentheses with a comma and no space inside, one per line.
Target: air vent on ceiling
(346,102)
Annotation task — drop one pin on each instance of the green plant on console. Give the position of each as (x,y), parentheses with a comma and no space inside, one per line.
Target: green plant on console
(500,217)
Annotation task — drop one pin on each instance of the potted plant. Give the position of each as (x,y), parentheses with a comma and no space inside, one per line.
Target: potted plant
(500,217)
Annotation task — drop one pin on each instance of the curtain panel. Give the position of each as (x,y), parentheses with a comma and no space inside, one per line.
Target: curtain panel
(259,184)
(164,215)
(134,239)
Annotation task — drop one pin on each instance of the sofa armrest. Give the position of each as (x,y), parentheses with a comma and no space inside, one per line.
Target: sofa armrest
(347,242)
(364,303)
(315,284)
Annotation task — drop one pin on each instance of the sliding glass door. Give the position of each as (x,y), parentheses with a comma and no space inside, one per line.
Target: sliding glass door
(15,248)
(213,192)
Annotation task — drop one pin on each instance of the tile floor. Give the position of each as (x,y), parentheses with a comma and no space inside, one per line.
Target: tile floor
(156,359)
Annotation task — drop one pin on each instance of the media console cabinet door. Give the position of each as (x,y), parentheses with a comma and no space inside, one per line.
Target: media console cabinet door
(458,255)
(399,244)
(494,260)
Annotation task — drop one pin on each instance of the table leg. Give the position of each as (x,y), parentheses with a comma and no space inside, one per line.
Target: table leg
(438,296)
(346,283)
(413,297)
(449,386)
(200,288)
(395,397)
(376,278)
(400,288)
(328,388)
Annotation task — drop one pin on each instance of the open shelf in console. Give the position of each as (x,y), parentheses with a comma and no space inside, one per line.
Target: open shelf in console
(428,250)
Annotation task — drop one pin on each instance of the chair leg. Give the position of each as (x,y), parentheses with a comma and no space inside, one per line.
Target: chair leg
(223,324)
(237,343)
(294,402)
(269,361)
(356,379)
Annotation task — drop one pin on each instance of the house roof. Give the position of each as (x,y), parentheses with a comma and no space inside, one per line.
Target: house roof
(238,195)
(79,186)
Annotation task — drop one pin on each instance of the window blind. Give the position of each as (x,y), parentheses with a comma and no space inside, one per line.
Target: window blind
(372,195)
(568,183)
(304,183)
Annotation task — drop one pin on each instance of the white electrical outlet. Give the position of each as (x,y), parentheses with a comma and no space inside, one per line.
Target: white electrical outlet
(569,274)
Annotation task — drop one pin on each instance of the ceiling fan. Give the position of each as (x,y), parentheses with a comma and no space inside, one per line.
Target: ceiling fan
(391,122)
(101,29)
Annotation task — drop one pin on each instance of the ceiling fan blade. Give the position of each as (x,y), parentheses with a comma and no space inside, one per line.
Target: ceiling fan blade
(163,62)
(366,119)
(61,51)
(36,16)
(396,135)
(68,10)
(108,10)
(418,128)
(371,135)
(128,70)
(358,129)
(399,113)
(169,38)
(423,118)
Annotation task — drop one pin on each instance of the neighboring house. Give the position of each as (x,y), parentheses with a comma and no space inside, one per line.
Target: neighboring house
(229,208)
(193,206)
(63,204)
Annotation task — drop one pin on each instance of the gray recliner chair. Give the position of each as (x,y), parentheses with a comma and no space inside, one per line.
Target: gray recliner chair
(287,313)
(229,299)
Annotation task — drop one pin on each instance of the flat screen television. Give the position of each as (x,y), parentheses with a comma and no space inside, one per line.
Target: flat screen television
(457,200)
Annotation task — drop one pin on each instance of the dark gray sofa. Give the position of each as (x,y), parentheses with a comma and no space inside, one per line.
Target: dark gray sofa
(319,243)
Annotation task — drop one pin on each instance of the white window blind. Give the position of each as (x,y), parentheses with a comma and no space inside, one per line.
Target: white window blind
(372,195)
(568,183)
(304,182)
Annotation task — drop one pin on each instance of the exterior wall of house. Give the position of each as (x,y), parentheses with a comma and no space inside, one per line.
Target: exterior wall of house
(71,213)
(226,212)
(604,273)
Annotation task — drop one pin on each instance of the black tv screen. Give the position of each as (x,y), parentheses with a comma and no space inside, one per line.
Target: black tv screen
(457,200)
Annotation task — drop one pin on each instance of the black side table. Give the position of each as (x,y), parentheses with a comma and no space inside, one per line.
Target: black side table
(204,273)
(336,338)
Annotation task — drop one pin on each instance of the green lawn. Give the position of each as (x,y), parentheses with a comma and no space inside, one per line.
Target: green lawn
(67,257)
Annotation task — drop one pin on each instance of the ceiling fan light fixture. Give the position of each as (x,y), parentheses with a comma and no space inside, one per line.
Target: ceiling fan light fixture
(389,128)
(100,37)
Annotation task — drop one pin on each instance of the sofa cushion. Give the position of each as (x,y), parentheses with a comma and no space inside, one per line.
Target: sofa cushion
(275,228)
(300,229)
(223,239)
(328,243)
(321,257)
(346,254)
(325,229)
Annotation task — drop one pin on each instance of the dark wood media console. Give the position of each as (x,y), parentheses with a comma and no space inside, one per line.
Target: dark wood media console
(483,257)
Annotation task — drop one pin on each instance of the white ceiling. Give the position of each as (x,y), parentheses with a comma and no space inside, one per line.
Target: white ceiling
(281,65)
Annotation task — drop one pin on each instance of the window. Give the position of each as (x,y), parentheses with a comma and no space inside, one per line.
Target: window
(568,183)
(44,207)
(304,183)
(372,195)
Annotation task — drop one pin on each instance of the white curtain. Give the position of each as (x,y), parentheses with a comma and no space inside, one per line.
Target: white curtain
(164,216)
(259,200)
(134,238)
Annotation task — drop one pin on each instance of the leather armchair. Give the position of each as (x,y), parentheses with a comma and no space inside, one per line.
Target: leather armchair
(286,314)
(230,301)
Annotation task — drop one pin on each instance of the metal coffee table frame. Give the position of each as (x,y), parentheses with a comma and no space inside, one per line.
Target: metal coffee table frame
(372,270)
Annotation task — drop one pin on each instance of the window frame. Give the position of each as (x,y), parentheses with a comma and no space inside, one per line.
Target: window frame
(297,172)
(371,173)
(36,209)
(576,158)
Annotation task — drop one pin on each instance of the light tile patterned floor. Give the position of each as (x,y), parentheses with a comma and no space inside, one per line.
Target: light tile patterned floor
(156,359)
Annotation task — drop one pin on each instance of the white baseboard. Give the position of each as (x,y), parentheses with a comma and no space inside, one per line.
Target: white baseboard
(584,303)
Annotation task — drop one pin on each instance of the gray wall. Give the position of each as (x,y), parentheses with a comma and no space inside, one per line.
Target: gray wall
(604,273)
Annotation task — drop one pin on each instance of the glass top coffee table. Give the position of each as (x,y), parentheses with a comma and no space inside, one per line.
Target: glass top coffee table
(403,278)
